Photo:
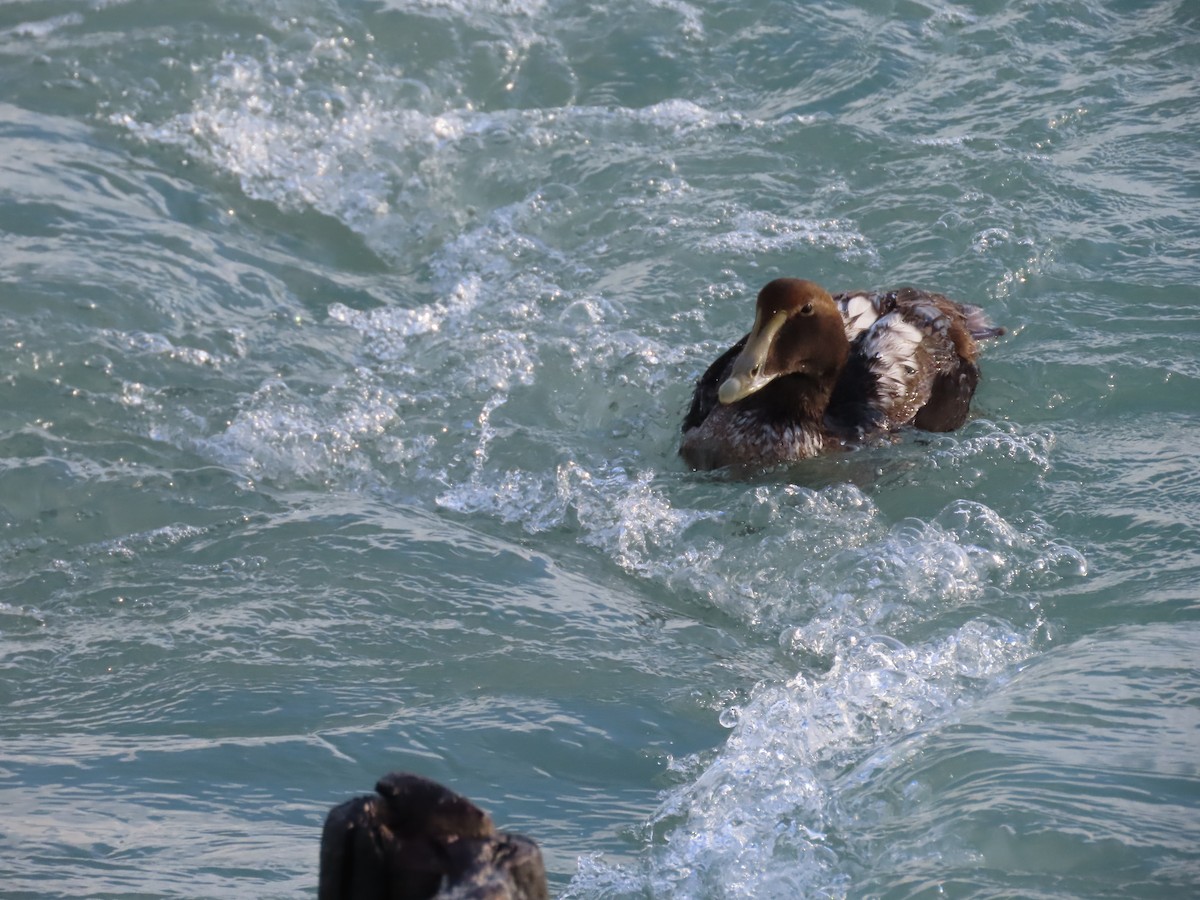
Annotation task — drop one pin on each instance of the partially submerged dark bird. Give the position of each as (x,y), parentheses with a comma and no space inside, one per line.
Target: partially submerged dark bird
(820,372)
(417,840)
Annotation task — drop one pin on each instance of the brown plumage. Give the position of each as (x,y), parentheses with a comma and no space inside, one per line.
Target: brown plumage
(415,839)
(818,372)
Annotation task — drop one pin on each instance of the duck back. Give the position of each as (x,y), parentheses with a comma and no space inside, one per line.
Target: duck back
(912,361)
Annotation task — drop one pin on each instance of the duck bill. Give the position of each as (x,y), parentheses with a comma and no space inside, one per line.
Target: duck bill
(749,369)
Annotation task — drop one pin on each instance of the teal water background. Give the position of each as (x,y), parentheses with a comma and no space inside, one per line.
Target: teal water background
(344,350)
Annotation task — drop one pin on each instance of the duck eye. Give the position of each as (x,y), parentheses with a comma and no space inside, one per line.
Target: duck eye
(806,309)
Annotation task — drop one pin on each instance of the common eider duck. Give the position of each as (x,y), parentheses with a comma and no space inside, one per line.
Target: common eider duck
(819,372)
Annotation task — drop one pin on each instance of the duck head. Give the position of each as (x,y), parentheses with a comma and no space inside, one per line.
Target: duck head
(797,331)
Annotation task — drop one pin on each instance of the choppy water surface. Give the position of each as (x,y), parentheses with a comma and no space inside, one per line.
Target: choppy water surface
(345,347)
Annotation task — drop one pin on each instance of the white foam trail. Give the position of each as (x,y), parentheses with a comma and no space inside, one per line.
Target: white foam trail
(764,818)
(282,434)
(755,232)
(378,152)
(852,598)
(41,28)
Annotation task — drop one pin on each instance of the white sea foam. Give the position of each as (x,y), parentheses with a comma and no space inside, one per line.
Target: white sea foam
(986,439)
(283,434)
(131,545)
(257,125)
(850,596)
(388,329)
(692,25)
(754,232)
(377,151)
(765,817)
(782,554)
(152,344)
(41,28)
(473,8)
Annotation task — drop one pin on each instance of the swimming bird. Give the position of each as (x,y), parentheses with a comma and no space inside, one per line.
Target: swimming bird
(820,372)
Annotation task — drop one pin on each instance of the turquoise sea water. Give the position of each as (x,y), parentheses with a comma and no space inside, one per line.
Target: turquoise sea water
(344,350)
